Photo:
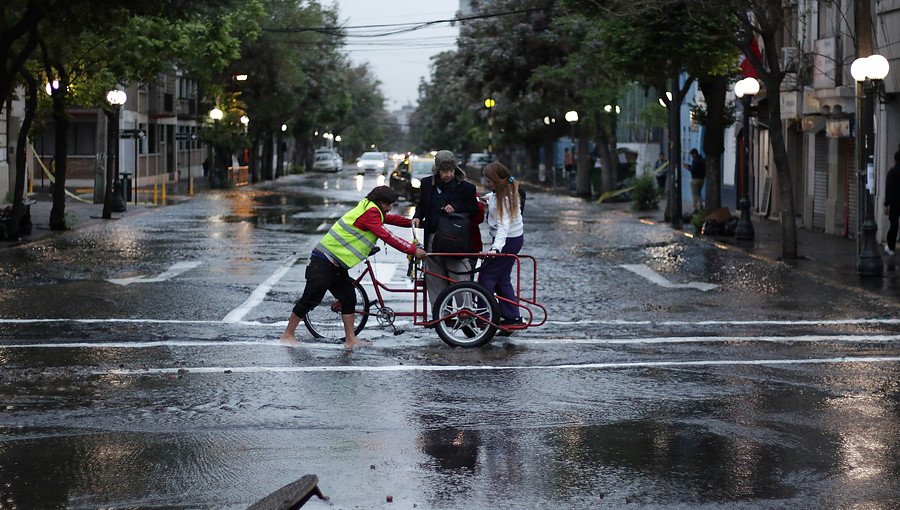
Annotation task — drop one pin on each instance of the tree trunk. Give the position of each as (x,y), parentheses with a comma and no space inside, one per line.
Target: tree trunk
(279,156)
(583,170)
(534,159)
(254,161)
(714,90)
(267,158)
(549,170)
(61,131)
(673,205)
(606,147)
(772,77)
(21,154)
(785,176)
(607,161)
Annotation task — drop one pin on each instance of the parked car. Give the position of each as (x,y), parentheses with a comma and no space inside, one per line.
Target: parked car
(476,163)
(338,159)
(406,179)
(372,161)
(327,161)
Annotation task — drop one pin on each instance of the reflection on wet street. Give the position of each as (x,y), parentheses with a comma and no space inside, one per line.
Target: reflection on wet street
(770,390)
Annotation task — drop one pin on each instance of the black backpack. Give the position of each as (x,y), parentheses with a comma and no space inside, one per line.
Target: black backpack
(451,235)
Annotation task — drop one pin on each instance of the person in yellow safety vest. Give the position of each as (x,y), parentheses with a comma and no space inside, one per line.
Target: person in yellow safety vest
(347,243)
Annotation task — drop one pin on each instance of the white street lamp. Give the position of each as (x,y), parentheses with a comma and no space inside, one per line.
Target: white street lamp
(116,98)
(572,116)
(868,72)
(245,120)
(216,114)
(746,89)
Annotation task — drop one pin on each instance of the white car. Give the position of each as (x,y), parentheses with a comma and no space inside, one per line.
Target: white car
(371,161)
(327,161)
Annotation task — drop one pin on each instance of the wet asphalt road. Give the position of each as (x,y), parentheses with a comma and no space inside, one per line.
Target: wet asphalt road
(771,390)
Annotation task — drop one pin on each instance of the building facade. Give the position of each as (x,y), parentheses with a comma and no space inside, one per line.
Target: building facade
(819,114)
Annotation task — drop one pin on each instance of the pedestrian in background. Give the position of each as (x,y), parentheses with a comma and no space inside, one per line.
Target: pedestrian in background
(697,167)
(569,160)
(504,219)
(892,204)
(347,243)
(444,192)
(661,168)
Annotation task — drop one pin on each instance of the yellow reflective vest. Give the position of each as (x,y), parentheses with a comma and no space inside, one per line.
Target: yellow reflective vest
(346,244)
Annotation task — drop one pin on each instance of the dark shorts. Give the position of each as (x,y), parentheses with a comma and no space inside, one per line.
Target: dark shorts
(321,276)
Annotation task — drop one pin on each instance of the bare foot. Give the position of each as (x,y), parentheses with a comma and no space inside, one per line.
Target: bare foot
(289,339)
(350,345)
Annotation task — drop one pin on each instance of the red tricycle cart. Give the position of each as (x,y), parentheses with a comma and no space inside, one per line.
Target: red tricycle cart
(465,314)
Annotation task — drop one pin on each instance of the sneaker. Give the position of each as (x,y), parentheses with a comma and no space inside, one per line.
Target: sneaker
(888,251)
(511,322)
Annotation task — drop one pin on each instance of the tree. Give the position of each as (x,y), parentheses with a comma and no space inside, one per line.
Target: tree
(441,119)
(501,57)
(84,48)
(696,46)
(764,20)
(296,78)
(585,83)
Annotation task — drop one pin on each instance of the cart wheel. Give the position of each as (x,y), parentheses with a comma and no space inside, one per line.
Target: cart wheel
(469,309)
(324,321)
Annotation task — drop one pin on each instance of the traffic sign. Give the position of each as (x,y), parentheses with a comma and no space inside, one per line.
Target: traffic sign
(132,133)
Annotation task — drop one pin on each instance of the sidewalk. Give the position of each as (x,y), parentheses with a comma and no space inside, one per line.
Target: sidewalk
(827,257)
(84,213)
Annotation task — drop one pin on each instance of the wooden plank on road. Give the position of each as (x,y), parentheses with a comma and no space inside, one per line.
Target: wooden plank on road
(292,496)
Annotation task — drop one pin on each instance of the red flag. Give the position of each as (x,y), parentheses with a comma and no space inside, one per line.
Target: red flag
(746,66)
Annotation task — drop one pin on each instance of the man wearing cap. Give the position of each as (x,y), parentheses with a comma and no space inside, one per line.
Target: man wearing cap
(347,243)
(446,191)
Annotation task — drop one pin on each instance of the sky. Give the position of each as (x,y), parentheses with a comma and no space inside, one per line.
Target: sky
(398,61)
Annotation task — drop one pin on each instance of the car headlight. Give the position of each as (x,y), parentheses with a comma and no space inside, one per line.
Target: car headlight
(359,164)
(416,183)
(381,164)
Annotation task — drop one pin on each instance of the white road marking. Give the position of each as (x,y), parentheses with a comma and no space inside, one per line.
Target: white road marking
(386,342)
(764,322)
(482,368)
(645,272)
(259,294)
(170,273)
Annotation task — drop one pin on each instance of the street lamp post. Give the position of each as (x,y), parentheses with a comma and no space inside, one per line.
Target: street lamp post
(489,104)
(572,118)
(216,115)
(745,89)
(548,156)
(868,72)
(116,98)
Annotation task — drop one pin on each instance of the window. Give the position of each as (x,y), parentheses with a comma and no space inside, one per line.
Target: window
(826,21)
(153,139)
(81,139)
